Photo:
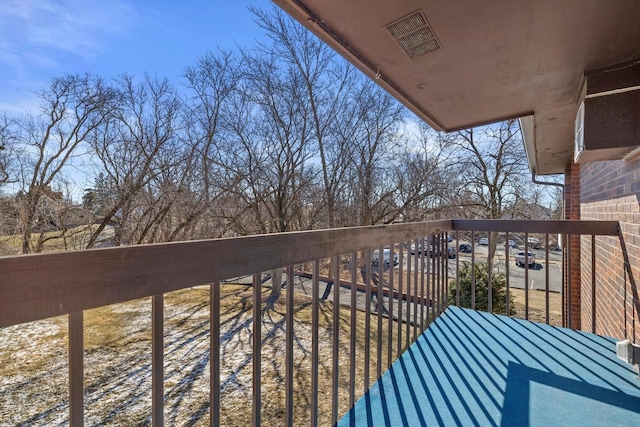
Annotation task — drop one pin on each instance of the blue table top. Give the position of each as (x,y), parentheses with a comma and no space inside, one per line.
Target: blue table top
(475,368)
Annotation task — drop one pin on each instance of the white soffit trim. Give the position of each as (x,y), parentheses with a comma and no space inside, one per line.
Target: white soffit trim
(612,92)
(527,127)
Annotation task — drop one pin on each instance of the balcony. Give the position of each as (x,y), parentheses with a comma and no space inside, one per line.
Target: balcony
(315,351)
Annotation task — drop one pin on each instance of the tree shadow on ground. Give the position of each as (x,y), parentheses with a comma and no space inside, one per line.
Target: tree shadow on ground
(118,371)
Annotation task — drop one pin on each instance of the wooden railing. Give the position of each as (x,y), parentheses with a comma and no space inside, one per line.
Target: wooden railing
(35,287)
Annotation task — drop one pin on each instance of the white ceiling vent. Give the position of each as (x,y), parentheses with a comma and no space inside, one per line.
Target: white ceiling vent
(414,35)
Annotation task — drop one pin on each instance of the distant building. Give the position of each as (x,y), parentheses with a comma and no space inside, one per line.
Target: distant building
(56,212)
(73,216)
(50,201)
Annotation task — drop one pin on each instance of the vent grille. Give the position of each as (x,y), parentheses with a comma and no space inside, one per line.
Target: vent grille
(414,35)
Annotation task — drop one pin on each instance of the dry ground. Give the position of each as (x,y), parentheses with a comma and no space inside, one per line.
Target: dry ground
(33,365)
(75,238)
(537,306)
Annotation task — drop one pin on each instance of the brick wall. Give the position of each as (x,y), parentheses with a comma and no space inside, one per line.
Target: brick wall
(572,290)
(611,191)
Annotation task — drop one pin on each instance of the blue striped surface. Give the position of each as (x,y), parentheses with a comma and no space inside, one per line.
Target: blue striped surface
(473,368)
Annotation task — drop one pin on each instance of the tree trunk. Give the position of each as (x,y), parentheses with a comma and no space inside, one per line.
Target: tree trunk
(276,285)
(28,219)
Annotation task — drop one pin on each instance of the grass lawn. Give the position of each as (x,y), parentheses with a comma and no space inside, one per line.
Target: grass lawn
(75,238)
(33,365)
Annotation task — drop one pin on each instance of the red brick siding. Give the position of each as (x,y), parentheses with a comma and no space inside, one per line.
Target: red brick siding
(572,291)
(611,191)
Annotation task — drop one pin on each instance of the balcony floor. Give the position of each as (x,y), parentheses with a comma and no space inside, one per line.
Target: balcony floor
(474,368)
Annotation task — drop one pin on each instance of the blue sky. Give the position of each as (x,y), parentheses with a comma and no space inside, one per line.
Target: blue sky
(41,39)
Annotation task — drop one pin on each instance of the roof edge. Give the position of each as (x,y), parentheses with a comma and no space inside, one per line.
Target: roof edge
(527,128)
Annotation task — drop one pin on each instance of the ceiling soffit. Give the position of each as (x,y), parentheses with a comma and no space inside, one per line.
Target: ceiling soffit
(460,64)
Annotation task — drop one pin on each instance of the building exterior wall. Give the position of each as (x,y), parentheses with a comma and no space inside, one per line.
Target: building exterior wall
(610,190)
(74,216)
(572,288)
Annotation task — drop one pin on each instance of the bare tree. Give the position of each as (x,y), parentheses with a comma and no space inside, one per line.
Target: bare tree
(213,82)
(9,151)
(71,108)
(266,160)
(134,146)
(557,203)
(374,137)
(325,81)
(492,161)
(424,184)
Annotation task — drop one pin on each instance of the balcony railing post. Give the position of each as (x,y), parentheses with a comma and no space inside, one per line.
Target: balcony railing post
(458,268)
(379,308)
(157,363)
(526,276)
(563,291)
(445,259)
(593,283)
(422,295)
(414,295)
(367,319)
(315,359)
(546,276)
(353,342)
(289,324)
(489,282)
(257,349)
(440,273)
(473,270)
(434,260)
(428,300)
(569,306)
(446,270)
(409,307)
(335,340)
(390,303)
(76,369)
(401,259)
(433,266)
(214,352)
(507,262)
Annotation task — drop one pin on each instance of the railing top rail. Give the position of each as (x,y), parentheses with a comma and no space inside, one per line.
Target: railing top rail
(599,228)
(34,287)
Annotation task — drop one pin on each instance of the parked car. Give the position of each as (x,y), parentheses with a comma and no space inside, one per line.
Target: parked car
(452,253)
(465,248)
(386,256)
(483,241)
(533,242)
(416,248)
(512,244)
(530,261)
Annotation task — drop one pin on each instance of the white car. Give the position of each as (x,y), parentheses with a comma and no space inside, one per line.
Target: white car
(530,261)
(386,256)
(483,241)
(533,242)
(416,248)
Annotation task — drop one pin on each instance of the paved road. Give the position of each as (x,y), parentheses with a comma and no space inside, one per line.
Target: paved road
(537,274)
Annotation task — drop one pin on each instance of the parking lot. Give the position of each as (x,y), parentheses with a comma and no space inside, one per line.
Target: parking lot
(536,274)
